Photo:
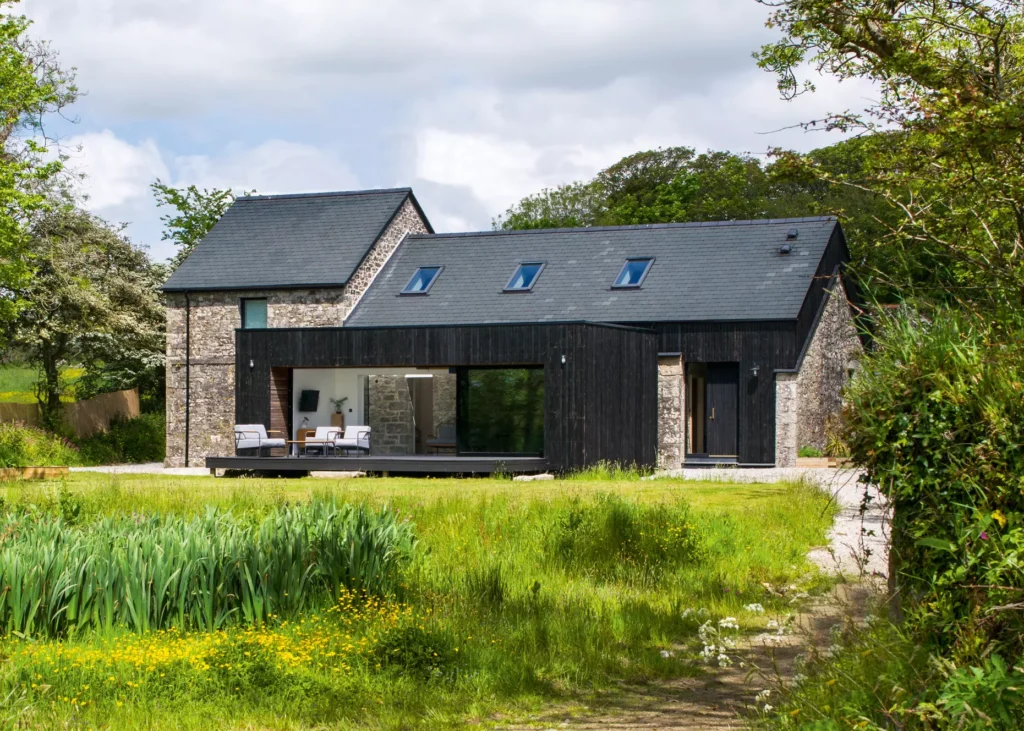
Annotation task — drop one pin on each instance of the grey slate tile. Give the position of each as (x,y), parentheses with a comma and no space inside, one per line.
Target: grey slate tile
(310,240)
(707,271)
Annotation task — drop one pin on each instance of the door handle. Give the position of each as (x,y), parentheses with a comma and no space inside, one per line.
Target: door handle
(712,413)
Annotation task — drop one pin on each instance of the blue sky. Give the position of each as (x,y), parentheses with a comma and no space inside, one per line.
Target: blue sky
(472,103)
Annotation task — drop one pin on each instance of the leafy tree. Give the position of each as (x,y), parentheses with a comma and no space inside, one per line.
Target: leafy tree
(950,79)
(33,85)
(655,186)
(196,212)
(92,300)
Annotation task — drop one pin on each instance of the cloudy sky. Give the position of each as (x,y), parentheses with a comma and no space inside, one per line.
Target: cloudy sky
(473,103)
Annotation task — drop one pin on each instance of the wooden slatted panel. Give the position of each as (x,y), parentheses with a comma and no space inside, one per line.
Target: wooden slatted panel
(281,400)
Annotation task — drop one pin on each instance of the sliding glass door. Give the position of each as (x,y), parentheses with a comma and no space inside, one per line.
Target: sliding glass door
(501,411)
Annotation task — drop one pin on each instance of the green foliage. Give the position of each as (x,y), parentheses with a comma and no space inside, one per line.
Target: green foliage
(92,301)
(32,86)
(148,573)
(807,451)
(936,418)
(129,441)
(413,649)
(26,446)
(877,676)
(196,212)
(950,84)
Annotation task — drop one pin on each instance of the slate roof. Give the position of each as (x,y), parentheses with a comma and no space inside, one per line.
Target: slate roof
(702,271)
(289,241)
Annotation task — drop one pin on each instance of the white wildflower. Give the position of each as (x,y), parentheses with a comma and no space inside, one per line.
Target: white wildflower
(724,661)
(688,612)
(728,623)
(667,654)
(763,695)
(768,708)
(799,678)
(755,608)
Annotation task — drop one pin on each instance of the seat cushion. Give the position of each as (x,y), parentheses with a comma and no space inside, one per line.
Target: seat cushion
(363,443)
(248,443)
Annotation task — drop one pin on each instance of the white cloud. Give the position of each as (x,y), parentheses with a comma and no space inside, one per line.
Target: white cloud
(117,172)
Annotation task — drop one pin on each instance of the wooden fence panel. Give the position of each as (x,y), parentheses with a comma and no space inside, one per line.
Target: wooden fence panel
(84,418)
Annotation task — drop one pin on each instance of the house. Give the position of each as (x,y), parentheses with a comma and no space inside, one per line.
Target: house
(271,261)
(654,345)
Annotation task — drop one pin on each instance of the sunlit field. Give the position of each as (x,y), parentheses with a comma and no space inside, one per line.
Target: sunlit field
(387,603)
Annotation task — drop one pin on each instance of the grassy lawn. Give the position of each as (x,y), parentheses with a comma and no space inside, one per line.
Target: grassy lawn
(514,596)
(18,383)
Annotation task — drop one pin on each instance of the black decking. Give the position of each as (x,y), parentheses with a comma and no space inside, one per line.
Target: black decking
(394,464)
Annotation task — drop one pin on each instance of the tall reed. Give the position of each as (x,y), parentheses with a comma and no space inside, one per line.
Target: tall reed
(206,572)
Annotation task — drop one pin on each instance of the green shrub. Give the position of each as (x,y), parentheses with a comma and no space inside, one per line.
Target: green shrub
(936,418)
(26,446)
(156,572)
(807,451)
(414,649)
(132,441)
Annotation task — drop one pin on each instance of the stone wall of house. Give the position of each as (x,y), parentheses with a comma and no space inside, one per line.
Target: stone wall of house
(833,354)
(671,411)
(786,419)
(392,416)
(406,221)
(216,315)
(444,400)
(806,401)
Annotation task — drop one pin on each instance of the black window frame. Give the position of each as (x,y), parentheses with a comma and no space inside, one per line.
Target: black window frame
(430,284)
(533,282)
(629,260)
(242,301)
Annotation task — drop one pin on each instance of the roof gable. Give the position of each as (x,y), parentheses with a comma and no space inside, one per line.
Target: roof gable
(289,241)
(702,272)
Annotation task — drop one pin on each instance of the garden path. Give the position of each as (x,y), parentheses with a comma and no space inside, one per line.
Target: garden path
(724,698)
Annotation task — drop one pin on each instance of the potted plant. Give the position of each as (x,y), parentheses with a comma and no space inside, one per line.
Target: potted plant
(338,417)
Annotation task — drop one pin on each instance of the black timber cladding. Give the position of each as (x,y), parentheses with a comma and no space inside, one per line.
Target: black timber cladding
(600,405)
(290,241)
(726,271)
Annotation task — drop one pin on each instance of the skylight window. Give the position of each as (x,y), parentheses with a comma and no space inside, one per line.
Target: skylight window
(633,272)
(422,280)
(525,277)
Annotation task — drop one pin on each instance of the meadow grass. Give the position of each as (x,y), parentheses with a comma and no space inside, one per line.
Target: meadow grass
(18,383)
(518,594)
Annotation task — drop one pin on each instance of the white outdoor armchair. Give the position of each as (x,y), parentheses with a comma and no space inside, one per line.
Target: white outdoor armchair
(250,437)
(356,437)
(323,439)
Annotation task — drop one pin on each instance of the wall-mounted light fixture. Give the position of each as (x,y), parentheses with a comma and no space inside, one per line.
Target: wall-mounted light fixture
(755,370)
(563,359)
(251,364)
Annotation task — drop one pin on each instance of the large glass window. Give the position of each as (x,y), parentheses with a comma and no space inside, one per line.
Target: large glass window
(524,278)
(254,313)
(501,411)
(633,272)
(422,280)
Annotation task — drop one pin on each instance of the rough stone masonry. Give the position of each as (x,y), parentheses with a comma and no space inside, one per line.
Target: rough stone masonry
(214,318)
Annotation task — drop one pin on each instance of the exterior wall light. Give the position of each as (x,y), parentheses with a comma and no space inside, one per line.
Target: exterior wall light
(755,370)
(563,359)
(251,364)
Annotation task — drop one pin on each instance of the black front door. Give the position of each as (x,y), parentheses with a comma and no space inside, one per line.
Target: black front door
(722,409)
